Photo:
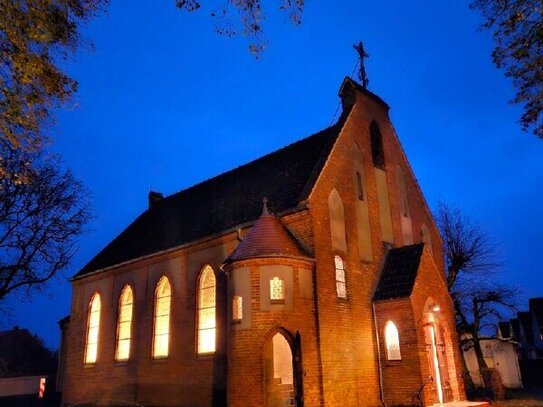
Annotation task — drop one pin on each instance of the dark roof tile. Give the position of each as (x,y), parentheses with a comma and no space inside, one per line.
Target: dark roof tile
(233,198)
(399,272)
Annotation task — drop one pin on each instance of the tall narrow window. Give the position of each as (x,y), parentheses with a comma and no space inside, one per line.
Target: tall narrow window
(124,324)
(341,286)
(392,341)
(93,325)
(237,308)
(277,290)
(161,335)
(377,153)
(359,189)
(206,311)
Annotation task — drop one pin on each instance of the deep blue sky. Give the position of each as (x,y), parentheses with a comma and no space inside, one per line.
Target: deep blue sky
(165,103)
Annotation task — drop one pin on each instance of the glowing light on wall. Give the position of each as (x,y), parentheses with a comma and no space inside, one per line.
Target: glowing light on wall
(161,335)
(93,325)
(392,341)
(206,311)
(124,324)
(436,364)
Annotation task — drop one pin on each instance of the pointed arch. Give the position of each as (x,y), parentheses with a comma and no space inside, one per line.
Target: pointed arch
(377,152)
(365,250)
(405,211)
(392,341)
(337,221)
(161,320)
(124,324)
(206,310)
(93,329)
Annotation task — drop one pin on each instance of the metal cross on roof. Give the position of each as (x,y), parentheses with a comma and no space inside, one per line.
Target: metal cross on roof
(362,75)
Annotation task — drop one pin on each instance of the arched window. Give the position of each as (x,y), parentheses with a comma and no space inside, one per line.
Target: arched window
(237,308)
(337,221)
(277,289)
(124,324)
(377,153)
(161,333)
(206,311)
(392,341)
(341,286)
(93,326)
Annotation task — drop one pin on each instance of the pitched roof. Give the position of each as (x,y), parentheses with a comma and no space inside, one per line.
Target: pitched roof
(267,238)
(399,272)
(285,176)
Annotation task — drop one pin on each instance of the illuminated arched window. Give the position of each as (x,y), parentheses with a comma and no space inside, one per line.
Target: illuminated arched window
(377,153)
(392,341)
(161,333)
(93,326)
(207,323)
(341,286)
(124,324)
(277,289)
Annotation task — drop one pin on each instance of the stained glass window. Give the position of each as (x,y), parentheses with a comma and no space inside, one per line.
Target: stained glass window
(237,308)
(207,323)
(392,341)
(161,335)
(341,286)
(93,325)
(277,289)
(124,324)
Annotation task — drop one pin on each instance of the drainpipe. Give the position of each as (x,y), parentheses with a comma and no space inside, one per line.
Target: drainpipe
(381,395)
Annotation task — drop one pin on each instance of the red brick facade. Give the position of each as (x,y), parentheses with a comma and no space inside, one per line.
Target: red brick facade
(333,340)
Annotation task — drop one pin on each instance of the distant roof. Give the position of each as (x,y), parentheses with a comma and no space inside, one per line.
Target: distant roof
(267,238)
(536,306)
(399,272)
(285,176)
(525,319)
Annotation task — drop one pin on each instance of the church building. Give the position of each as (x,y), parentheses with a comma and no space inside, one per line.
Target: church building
(312,276)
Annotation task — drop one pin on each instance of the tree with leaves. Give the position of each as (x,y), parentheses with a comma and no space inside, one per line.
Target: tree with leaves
(42,212)
(471,258)
(517,28)
(36,35)
(249,18)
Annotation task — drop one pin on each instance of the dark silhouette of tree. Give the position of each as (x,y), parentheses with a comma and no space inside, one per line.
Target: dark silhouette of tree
(42,211)
(471,258)
(517,28)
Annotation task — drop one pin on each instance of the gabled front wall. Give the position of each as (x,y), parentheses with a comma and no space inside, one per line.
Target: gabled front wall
(349,364)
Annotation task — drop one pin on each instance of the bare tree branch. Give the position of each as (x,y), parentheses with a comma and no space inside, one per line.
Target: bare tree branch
(40,220)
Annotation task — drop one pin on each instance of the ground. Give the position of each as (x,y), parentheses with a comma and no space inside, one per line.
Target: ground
(525,398)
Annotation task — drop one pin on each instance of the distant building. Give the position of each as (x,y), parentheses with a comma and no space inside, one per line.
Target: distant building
(527,330)
(332,293)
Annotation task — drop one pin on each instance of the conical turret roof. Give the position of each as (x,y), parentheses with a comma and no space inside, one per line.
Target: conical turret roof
(267,238)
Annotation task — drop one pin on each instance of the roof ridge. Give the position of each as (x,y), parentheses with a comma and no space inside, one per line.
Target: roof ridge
(267,155)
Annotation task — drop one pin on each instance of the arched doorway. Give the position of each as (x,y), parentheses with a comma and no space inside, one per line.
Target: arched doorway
(282,367)
(437,348)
